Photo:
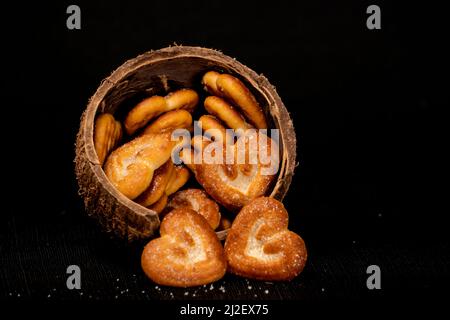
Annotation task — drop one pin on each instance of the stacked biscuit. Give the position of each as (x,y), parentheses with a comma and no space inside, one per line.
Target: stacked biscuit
(188,252)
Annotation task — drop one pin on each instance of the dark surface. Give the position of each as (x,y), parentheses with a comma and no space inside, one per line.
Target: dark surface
(365,107)
(35,257)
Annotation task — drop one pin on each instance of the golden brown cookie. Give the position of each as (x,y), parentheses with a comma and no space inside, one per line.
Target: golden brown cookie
(130,168)
(180,175)
(214,129)
(160,205)
(237,93)
(107,134)
(158,186)
(209,82)
(236,184)
(198,201)
(169,121)
(187,254)
(186,99)
(224,111)
(260,246)
(152,107)
(232,89)
(167,179)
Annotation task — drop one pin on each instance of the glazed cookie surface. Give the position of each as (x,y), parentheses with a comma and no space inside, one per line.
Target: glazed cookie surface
(198,201)
(260,246)
(187,254)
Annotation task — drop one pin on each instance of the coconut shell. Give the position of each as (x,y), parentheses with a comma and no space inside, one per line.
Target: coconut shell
(159,72)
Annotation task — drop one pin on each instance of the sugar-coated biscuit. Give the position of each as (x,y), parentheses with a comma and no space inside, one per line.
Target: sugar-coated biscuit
(198,201)
(187,254)
(232,89)
(260,246)
(152,107)
(236,184)
(107,134)
(130,167)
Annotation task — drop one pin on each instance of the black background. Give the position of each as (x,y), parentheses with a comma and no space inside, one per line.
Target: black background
(365,107)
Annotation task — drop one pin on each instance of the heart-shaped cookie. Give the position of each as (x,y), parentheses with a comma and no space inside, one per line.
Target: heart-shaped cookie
(198,201)
(234,183)
(260,246)
(187,254)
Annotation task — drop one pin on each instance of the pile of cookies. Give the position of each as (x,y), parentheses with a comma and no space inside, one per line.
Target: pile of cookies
(138,158)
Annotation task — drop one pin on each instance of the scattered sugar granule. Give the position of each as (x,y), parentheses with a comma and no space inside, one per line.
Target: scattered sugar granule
(212,287)
(186,293)
(266,292)
(249,287)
